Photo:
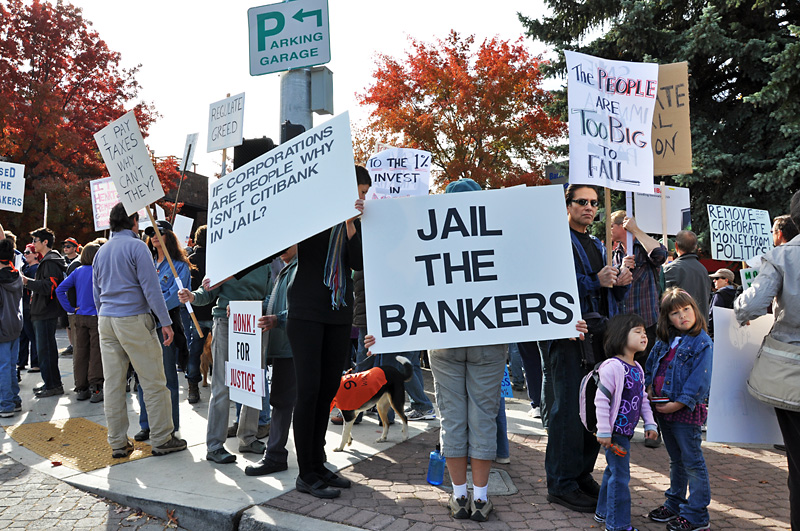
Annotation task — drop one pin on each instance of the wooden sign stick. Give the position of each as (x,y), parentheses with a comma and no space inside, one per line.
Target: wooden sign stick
(609,245)
(172,267)
(664,214)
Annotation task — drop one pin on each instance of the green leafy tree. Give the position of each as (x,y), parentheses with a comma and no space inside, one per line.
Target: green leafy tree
(744,84)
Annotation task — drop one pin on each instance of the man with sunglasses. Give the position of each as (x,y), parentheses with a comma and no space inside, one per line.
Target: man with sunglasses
(571,449)
(71,250)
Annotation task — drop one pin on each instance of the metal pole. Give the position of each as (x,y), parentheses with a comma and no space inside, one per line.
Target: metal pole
(296,97)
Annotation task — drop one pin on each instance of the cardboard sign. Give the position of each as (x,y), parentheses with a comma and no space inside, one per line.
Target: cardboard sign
(12,186)
(104,197)
(189,150)
(450,274)
(610,122)
(648,210)
(399,172)
(290,193)
(144,219)
(738,233)
(128,162)
(225,123)
(182,227)
(748,276)
(244,374)
(672,134)
(734,416)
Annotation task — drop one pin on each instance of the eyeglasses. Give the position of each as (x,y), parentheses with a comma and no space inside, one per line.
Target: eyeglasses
(27,252)
(583,202)
(37,240)
(69,246)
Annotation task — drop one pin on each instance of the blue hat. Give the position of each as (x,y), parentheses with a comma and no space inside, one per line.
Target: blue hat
(462,185)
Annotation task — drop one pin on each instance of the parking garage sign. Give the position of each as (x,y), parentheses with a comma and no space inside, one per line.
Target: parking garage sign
(288,35)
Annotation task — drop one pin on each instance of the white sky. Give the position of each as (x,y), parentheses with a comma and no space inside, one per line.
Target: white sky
(195,52)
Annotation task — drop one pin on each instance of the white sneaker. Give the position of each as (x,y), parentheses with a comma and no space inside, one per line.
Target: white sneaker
(422,415)
(535,413)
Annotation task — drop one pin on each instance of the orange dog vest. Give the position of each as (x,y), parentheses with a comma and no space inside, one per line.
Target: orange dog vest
(356,388)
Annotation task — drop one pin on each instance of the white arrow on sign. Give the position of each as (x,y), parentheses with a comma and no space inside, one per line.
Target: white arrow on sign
(288,35)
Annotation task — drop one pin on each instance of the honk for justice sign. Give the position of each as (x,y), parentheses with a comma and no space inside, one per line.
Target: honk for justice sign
(468,269)
(244,374)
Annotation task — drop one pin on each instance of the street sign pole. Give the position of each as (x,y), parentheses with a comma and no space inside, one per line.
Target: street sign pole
(296,97)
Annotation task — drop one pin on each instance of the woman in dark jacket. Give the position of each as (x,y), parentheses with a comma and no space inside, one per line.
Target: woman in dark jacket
(318,326)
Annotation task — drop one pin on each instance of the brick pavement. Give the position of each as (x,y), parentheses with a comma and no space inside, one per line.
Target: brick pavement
(32,500)
(748,488)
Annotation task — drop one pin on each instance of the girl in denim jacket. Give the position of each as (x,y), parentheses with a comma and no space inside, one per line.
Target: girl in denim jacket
(679,369)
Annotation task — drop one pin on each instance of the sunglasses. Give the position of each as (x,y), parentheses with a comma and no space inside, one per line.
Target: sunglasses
(27,252)
(583,202)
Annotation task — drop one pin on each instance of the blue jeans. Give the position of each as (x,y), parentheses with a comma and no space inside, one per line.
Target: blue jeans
(502,431)
(530,354)
(9,387)
(571,449)
(171,372)
(264,416)
(196,344)
(614,500)
(687,468)
(515,365)
(47,350)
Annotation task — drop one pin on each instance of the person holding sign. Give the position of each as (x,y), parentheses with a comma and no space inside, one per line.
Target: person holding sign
(571,449)
(126,291)
(778,280)
(319,323)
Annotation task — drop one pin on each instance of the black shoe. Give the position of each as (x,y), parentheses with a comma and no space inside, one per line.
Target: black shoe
(44,393)
(589,487)
(575,500)
(332,479)
(264,467)
(142,435)
(780,447)
(66,352)
(38,389)
(318,489)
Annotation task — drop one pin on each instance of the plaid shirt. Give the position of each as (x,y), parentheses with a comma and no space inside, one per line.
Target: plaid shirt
(642,298)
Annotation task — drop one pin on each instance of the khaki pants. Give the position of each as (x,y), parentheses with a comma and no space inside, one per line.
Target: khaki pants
(133,339)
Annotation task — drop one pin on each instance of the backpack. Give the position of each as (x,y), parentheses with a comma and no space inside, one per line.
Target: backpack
(589,387)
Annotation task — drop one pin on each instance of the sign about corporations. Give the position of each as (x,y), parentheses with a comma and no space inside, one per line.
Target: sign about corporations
(12,186)
(748,276)
(244,374)
(225,123)
(399,172)
(449,274)
(288,35)
(734,416)
(648,210)
(610,122)
(672,134)
(128,162)
(738,233)
(302,187)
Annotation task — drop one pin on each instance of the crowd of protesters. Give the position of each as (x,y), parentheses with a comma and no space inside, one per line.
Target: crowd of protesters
(121,304)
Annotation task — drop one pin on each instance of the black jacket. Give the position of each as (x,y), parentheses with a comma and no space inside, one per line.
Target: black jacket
(198,258)
(44,303)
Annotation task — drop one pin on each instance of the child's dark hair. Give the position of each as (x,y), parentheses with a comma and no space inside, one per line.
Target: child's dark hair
(617,329)
(362,176)
(675,298)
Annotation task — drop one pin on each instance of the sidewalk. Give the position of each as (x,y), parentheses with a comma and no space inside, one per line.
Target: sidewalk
(748,484)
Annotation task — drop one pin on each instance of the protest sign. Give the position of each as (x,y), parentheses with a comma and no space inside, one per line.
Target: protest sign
(672,135)
(189,150)
(738,233)
(399,172)
(144,219)
(734,416)
(244,374)
(128,163)
(182,227)
(748,276)
(104,197)
(12,186)
(610,122)
(290,193)
(444,271)
(225,123)
(648,210)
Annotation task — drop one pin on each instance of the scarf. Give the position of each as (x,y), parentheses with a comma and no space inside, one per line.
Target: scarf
(334,274)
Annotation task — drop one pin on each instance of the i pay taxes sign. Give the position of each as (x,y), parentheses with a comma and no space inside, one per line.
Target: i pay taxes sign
(288,35)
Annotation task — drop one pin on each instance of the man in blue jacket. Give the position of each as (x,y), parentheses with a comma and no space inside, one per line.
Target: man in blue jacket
(571,449)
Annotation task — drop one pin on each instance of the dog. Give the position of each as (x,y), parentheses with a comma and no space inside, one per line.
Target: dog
(206,360)
(391,394)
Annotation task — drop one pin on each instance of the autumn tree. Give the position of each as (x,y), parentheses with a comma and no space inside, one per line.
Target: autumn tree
(480,112)
(59,84)
(744,84)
